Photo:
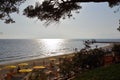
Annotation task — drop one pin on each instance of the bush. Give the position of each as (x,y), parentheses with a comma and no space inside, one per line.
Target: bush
(116,49)
(82,61)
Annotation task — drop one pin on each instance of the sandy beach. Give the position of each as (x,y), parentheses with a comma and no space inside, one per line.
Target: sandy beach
(38,61)
(35,62)
(31,63)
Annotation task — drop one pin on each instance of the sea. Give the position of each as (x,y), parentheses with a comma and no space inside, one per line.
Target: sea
(15,50)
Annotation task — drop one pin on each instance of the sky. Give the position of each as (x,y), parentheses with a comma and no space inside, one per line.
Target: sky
(95,20)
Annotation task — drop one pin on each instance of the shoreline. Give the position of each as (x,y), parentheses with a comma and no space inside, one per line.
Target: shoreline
(111,42)
(39,60)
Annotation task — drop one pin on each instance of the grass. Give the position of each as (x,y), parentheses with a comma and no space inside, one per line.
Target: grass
(103,73)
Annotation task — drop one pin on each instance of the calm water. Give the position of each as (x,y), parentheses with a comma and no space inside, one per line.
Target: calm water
(12,50)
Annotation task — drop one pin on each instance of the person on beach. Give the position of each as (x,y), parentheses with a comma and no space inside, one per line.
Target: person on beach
(76,50)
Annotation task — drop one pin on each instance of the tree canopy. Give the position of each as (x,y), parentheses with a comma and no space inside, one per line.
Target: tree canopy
(48,10)
(7,7)
(54,10)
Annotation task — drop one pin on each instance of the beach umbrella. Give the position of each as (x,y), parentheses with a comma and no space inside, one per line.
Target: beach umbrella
(10,67)
(23,64)
(52,59)
(25,70)
(39,67)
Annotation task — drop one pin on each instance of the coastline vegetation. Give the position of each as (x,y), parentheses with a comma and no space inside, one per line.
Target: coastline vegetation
(89,59)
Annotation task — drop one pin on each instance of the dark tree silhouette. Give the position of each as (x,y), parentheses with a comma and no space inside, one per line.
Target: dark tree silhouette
(48,10)
(54,10)
(7,7)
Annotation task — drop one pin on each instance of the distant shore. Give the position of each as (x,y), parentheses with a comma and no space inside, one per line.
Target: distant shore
(114,42)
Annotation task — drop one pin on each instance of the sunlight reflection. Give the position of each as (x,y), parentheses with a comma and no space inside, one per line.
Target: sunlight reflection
(51,44)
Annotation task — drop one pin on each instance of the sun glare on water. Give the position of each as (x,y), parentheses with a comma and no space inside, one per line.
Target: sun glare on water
(51,44)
